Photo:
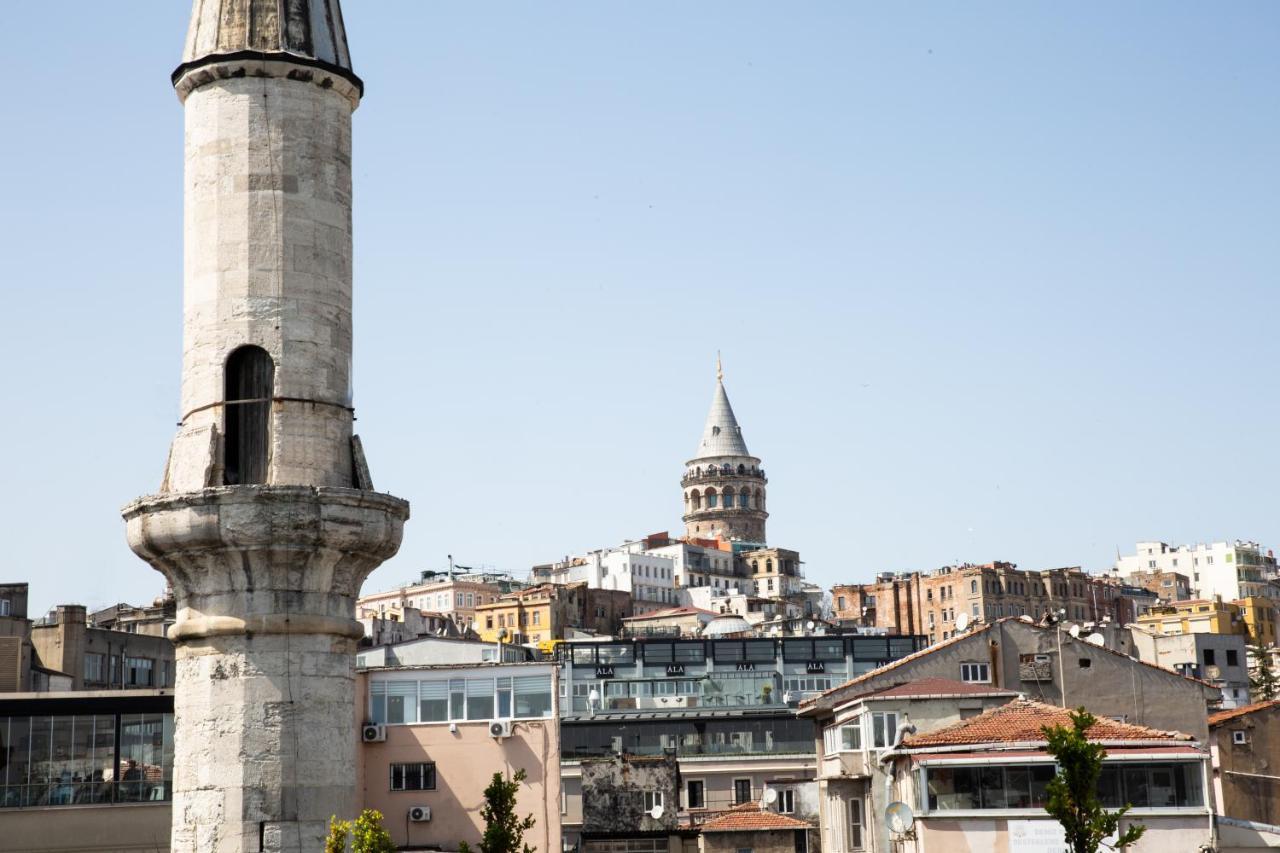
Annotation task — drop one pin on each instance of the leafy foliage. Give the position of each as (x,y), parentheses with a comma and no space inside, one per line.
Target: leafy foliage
(504,830)
(1073,793)
(366,833)
(1262,677)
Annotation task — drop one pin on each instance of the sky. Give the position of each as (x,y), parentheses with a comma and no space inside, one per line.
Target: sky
(990,281)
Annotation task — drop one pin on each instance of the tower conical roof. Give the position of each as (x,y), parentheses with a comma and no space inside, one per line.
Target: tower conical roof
(721,436)
(310,31)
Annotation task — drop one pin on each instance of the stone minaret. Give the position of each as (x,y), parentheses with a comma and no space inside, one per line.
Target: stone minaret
(266,522)
(724,485)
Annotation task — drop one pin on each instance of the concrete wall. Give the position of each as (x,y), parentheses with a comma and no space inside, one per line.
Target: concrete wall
(613,791)
(465,763)
(1253,797)
(124,828)
(64,644)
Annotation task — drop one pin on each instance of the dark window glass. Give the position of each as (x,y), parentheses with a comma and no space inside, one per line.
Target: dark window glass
(828,650)
(584,654)
(760,650)
(690,653)
(250,380)
(697,798)
(727,650)
(658,653)
(797,650)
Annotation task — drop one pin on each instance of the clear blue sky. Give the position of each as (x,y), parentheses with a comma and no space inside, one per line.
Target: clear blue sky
(992,281)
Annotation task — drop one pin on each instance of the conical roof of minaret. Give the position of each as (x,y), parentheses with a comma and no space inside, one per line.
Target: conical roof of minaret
(721,436)
(307,31)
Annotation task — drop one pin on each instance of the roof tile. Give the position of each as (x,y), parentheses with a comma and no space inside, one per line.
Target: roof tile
(1021,720)
(1223,716)
(748,817)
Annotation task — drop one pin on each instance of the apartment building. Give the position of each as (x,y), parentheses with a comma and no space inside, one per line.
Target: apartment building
(15,639)
(1196,616)
(1230,570)
(552,612)
(69,654)
(649,578)
(455,595)
(1167,586)
(931,603)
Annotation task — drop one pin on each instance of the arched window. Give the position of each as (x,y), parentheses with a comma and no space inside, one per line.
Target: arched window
(973,587)
(249,386)
(744,498)
(712,499)
(728,497)
(759,499)
(695,499)
(742,469)
(768,567)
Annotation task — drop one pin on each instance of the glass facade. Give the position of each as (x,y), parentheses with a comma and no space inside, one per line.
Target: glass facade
(442,700)
(76,759)
(730,736)
(1136,784)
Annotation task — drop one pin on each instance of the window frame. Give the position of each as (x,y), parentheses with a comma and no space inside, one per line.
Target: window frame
(978,668)
(426,770)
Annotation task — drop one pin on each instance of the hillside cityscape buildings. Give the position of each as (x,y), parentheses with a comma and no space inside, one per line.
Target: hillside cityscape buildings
(693,692)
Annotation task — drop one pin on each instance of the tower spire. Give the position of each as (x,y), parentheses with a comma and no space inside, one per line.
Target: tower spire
(719,368)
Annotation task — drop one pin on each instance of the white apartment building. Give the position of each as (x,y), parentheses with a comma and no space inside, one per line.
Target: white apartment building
(649,577)
(699,565)
(1232,570)
(454,597)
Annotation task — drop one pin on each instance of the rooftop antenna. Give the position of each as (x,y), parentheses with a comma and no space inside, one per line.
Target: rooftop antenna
(450,567)
(719,368)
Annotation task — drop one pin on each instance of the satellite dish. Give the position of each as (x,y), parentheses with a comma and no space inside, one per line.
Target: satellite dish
(1074,631)
(898,817)
(809,625)
(1025,618)
(1095,640)
(656,812)
(770,796)
(962,622)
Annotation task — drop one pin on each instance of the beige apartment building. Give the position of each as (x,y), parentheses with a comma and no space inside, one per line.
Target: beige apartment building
(439,733)
(455,596)
(931,603)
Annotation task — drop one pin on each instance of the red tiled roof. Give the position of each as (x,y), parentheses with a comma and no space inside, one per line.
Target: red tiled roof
(1020,721)
(749,818)
(937,687)
(1223,716)
(672,611)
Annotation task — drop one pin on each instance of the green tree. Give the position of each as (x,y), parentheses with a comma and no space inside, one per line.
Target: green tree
(1073,792)
(504,830)
(1262,677)
(366,833)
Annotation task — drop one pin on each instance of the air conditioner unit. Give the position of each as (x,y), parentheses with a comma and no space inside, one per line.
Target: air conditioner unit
(500,728)
(420,814)
(373,733)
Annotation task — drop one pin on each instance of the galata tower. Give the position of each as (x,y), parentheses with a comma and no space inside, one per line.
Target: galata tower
(724,485)
(266,522)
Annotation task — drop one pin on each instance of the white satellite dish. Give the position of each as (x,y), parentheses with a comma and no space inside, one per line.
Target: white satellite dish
(1074,631)
(809,625)
(770,796)
(962,622)
(898,817)
(1025,618)
(656,812)
(1095,640)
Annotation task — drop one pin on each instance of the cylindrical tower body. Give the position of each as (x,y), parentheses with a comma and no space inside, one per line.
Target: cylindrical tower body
(266,523)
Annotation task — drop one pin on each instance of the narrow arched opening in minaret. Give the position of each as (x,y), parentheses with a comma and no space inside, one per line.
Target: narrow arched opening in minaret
(249,386)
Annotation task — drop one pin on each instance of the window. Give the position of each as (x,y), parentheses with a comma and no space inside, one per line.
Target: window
(1240,737)
(988,787)
(1233,658)
(975,672)
(95,667)
(695,794)
(973,587)
(1085,663)
(884,728)
(1150,786)
(855,825)
(5,607)
(138,672)
(741,791)
(419,776)
(652,799)
(786,801)
(847,738)
(248,388)
(1208,657)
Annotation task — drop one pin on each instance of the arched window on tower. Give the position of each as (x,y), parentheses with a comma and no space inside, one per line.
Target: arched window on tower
(728,497)
(744,498)
(712,498)
(742,469)
(248,388)
(759,499)
(695,499)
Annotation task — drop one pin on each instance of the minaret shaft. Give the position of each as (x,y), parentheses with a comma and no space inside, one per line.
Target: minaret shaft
(266,523)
